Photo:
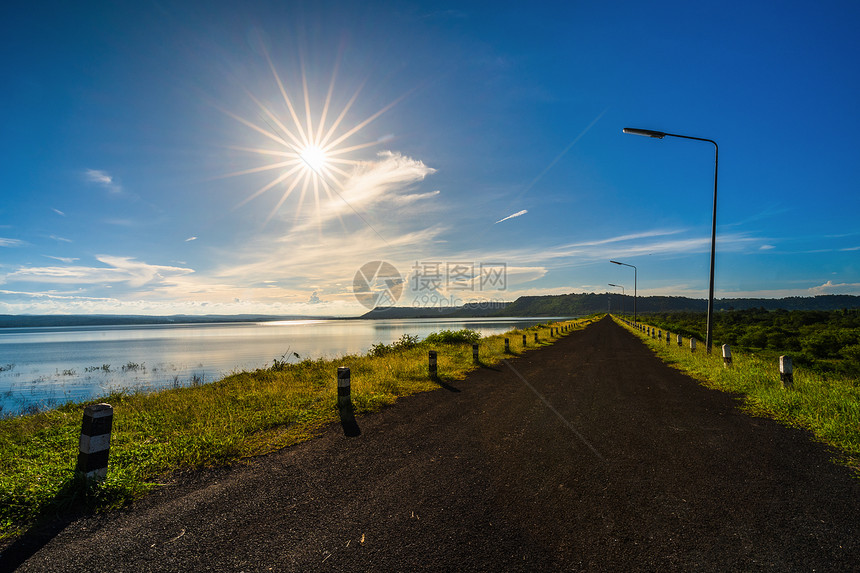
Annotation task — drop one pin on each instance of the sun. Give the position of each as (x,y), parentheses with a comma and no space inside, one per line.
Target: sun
(314,158)
(312,154)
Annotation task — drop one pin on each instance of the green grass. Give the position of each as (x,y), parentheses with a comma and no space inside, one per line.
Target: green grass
(244,415)
(828,405)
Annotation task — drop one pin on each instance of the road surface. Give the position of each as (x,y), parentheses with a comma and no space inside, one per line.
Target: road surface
(589,455)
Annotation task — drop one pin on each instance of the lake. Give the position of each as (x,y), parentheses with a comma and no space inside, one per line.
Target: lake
(46,367)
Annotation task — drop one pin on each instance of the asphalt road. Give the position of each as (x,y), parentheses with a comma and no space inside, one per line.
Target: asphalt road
(589,454)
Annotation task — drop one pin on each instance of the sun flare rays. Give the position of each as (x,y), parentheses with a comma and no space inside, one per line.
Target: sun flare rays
(310,157)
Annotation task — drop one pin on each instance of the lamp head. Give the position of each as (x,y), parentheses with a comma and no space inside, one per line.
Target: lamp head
(645,132)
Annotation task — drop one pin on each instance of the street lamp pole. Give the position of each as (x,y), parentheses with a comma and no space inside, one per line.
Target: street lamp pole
(661,135)
(622,295)
(635,281)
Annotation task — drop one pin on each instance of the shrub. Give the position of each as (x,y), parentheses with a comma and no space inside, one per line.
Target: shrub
(405,342)
(464,336)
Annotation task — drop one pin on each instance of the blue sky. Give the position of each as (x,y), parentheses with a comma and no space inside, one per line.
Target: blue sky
(148,149)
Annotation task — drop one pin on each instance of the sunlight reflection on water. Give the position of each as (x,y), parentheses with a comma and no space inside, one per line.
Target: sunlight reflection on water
(45,367)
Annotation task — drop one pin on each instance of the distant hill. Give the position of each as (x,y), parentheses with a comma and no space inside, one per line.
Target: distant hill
(589,303)
(465,311)
(550,305)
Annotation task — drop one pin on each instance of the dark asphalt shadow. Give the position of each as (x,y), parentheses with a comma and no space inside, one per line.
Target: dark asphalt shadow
(486,366)
(347,420)
(444,384)
(68,504)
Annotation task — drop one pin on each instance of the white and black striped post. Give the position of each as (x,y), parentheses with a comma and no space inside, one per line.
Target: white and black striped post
(95,441)
(727,355)
(475,353)
(507,346)
(786,374)
(692,345)
(344,391)
(344,403)
(680,340)
(431,364)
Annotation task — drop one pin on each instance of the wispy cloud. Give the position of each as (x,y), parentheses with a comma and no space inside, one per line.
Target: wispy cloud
(67,260)
(116,270)
(60,239)
(58,212)
(840,288)
(102,178)
(388,180)
(190,239)
(4,242)
(517,214)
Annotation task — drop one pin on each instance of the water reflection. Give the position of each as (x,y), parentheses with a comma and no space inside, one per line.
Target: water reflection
(44,367)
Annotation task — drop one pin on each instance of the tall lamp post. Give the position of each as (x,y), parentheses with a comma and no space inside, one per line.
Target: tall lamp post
(661,135)
(635,280)
(622,295)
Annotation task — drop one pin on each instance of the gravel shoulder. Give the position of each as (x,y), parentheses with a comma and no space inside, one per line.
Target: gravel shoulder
(589,454)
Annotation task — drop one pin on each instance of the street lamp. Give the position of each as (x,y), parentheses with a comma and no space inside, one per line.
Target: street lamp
(661,135)
(634,285)
(622,295)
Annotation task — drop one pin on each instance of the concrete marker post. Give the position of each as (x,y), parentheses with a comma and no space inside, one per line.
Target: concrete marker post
(680,340)
(431,364)
(692,345)
(727,356)
(344,391)
(786,373)
(94,443)
(344,403)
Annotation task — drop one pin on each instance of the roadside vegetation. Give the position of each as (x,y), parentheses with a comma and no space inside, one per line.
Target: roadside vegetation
(824,341)
(821,400)
(217,424)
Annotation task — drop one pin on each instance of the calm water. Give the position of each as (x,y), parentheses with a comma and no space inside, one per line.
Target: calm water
(50,366)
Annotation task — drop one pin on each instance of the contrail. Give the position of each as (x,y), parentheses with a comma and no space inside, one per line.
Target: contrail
(562,154)
(517,214)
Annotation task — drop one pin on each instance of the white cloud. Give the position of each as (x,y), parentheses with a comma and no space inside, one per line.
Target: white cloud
(517,214)
(382,183)
(58,212)
(117,270)
(11,242)
(766,247)
(103,179)
(190,239)
(67,260)
(840,288)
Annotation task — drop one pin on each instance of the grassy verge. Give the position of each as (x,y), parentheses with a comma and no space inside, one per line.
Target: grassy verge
(245,414)
(828,405)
